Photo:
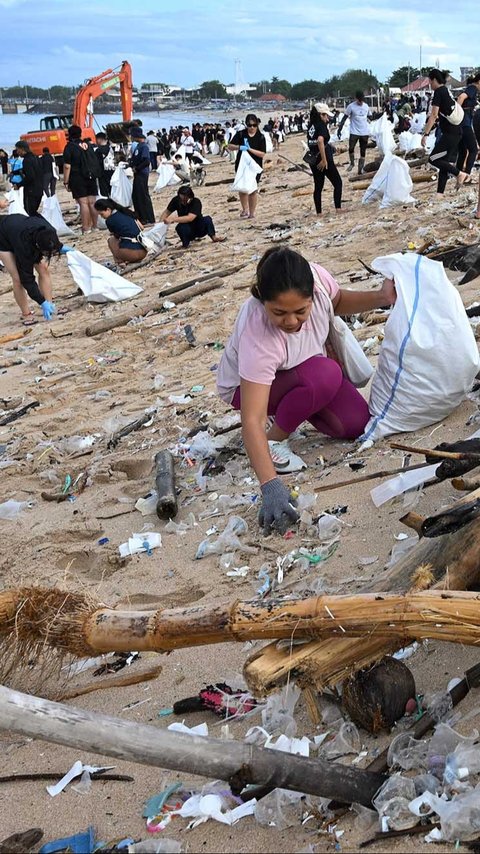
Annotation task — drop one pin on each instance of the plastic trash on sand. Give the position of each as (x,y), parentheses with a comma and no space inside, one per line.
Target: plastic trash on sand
(51,211)
(155,846)
(144,542)
(277,716)
(11,508)
(347,740)
(77,769)
(391,185)
(98,283)
(280,809)
(408,753)
(199,808)
(227,541)
(200,729)
(459,818)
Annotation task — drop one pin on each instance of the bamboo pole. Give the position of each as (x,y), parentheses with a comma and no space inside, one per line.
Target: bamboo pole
(101,326)
(433,452)
(375,475)
(69,623)
(191,754)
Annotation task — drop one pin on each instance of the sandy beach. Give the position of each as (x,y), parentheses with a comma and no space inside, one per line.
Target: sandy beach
(92,386)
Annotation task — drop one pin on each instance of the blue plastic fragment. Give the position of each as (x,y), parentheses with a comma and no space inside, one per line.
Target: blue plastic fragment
(79,843)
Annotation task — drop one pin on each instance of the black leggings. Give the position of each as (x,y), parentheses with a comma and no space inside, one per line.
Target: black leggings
(467,146)
(352,141)
(333,175)
(443,158)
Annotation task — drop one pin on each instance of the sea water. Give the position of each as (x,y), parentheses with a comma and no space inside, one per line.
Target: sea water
(13,125)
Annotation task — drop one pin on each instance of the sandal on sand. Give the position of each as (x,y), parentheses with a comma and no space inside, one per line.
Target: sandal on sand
(216,239)
(62,311)
(244,215)
(29,319)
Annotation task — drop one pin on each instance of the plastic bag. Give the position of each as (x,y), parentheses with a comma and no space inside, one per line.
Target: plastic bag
(421,376)
(97,282)
(246,175)
(157,234)
(277,716)
(121,187)
(381,130)
(280,809)
(227,541)
(408,141)
(167,177)
(347,740)
(15,202)
(11,508)
(391,184)
(51,211)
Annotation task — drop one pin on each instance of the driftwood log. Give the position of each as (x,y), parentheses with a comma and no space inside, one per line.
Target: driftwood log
(417,178)
(167,506)
(220,274)
(147,745)
(453,562)
(101,326)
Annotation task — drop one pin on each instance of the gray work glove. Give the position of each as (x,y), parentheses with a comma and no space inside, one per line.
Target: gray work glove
(277,510)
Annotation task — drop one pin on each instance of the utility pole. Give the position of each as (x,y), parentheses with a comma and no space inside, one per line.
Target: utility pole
(420,66)
(408,78)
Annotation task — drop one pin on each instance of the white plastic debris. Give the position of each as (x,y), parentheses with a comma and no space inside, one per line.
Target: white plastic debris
(200,808)
(11,508)
(140,543)
(200,729)
(77,769)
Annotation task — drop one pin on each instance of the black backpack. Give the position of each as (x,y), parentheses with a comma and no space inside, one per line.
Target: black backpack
(90,167)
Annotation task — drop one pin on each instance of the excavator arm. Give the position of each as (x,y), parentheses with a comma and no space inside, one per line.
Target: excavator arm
(83,111)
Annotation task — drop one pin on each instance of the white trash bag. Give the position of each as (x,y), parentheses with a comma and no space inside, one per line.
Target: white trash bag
(408,141)
(15,202)
(98,283)
(121,187)
(429,357)
(381,130)
(268,142)
(52,212)
(246,175)
(157,234)
(391,184)
(166,177)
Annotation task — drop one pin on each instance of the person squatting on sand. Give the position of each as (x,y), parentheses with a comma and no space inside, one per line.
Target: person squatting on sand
(252,140)
(27,243)
(275,363)
(124,229)
(185,209)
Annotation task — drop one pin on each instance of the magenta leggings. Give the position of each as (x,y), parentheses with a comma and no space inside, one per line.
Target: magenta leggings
(316,391)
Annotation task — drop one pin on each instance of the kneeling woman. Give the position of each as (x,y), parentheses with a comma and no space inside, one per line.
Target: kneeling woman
(275,364)
(124,228)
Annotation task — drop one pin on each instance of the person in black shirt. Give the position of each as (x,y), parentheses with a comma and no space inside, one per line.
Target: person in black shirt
(106,159)
(186,211)
(318,138)
(124,229)
(32,178)
(82,188)
(254,142)
(26,244)
(444,153)
(49,181)
(468,148)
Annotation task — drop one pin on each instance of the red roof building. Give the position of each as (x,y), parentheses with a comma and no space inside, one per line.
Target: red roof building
(269,96)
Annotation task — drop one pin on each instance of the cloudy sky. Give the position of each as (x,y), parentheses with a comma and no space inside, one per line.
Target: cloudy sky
(65,41)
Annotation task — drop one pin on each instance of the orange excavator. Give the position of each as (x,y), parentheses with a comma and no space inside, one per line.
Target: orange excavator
(53,129)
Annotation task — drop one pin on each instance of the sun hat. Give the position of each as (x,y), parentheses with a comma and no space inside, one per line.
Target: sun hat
(321,107)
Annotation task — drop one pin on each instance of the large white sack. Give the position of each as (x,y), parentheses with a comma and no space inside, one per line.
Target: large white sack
(158,233)
(214,147)
(429,356)
(121,187)
(417,122)
(98,283)
(51,211)
(391,184)
(381,130)
(408,141)
(268,142)
(246,175)
(15,202)
(166,177)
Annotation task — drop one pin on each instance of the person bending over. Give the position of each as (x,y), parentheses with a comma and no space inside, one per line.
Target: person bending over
(275,364)
(185,211)
(27,243)
(124,229)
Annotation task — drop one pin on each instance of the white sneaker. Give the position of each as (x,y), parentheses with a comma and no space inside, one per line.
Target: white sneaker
(284,459)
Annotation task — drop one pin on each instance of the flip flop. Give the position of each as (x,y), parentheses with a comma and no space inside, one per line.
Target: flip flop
(30,320)
(62,311)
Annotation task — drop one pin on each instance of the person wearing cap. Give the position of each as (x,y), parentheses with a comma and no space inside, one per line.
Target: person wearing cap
(358,112)
(321,156)
(140,163)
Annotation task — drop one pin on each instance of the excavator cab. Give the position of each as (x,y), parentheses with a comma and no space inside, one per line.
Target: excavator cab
(56,122)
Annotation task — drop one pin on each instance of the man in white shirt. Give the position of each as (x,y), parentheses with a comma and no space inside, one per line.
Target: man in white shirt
(152,143)
(188,142)
(358,112)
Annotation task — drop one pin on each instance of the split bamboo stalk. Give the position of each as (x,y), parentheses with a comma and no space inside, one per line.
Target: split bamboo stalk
(433,452)
(70,624)
(453,562)
(191,754)
(101,326)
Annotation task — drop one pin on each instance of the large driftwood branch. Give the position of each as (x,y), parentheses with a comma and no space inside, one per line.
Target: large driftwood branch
(101,326)
(155,746)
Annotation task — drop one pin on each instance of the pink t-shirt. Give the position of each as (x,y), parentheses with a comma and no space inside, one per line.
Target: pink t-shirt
(257,349)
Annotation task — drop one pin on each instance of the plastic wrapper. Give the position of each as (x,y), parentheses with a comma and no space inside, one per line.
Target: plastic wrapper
(202,446)
(408,753)
(155,846)
(439,705)
(464,761)
(180,527)
(227,541)
(10,509)
(459,818)
(143,542)
(148,506)
(328,528)
(395,787)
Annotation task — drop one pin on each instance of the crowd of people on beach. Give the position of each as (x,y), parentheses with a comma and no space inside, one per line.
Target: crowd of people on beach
(275,364)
